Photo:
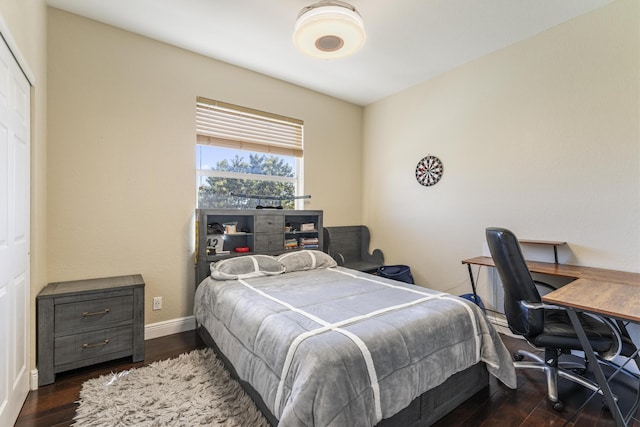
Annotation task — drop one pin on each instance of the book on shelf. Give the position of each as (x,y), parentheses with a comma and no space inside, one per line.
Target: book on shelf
(309,242)
(290,243)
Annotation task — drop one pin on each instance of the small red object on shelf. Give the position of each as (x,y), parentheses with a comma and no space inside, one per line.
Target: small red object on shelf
(242,249)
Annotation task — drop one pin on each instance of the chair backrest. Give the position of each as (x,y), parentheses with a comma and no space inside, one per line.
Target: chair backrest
(349,246)
(345,240)
(517,282)
(351,241)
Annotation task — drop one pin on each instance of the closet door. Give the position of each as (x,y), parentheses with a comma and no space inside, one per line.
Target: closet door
(14,236)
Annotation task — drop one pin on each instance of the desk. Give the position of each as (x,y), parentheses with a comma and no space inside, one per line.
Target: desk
(560,270)
(610,293)
(566,270)
(618,300)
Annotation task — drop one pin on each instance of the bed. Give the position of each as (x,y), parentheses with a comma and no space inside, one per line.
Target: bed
(316,344)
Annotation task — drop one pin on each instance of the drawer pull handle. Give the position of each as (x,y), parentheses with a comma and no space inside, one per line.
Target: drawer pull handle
(105,342)
(95,313)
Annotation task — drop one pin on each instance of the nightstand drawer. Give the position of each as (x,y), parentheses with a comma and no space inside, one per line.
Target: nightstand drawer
(72,348)
(98,312)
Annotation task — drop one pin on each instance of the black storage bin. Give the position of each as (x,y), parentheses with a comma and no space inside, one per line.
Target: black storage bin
(401,273)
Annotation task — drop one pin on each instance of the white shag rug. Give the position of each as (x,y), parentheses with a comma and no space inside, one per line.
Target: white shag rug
(193,389)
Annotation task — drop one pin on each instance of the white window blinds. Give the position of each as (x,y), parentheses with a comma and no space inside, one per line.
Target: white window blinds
(227,125)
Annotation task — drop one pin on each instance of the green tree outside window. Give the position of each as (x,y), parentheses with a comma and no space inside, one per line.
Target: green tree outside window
(218,192)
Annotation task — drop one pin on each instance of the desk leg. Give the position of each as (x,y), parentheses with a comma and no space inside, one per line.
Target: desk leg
(473,284)
(597,370)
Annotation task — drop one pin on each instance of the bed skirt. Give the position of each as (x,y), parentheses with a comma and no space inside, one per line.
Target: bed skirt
(425,410)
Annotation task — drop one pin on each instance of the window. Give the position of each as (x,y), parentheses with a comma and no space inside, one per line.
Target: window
(243,152)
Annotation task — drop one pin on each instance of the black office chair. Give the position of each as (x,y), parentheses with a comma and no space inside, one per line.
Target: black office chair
(549,327)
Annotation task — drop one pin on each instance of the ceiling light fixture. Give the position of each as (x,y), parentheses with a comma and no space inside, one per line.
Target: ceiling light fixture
(329,29)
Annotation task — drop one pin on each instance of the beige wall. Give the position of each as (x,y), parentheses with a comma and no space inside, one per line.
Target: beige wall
(542,137)
(121,163)
(26,24)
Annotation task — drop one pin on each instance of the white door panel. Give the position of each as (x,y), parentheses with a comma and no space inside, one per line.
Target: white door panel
(4,368)
(21,193)
(14,236)
(20,295)
(4,184)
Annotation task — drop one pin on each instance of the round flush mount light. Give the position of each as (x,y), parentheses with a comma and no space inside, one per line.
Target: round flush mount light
(329,29)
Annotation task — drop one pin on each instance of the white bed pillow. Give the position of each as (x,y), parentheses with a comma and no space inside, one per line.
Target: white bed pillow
(243,267)
(305,260)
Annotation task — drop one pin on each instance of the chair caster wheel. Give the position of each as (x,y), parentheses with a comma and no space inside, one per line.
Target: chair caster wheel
(557,406)
(517,357)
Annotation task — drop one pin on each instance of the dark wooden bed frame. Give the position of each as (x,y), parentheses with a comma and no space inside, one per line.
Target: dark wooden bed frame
(425,410)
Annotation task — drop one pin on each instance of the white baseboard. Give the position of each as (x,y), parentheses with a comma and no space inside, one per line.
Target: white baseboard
(499,321)
(33,385)
(169,327)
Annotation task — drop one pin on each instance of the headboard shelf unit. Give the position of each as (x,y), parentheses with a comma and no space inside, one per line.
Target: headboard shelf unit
(263,231)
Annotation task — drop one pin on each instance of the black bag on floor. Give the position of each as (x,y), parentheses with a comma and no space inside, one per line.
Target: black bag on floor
(475,299)
(401,273)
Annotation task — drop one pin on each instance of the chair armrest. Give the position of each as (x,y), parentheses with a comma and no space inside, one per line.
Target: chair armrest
(339,258)
(376,257)
(616,348)
(540,306)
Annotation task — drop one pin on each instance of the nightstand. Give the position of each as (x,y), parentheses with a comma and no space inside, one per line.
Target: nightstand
(84,322)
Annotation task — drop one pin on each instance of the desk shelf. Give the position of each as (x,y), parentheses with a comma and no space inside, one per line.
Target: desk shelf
(553,243)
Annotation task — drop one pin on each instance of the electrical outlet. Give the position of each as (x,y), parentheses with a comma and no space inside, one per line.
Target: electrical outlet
(157,303)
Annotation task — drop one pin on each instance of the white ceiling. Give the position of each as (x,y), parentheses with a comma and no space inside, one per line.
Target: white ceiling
(408,41)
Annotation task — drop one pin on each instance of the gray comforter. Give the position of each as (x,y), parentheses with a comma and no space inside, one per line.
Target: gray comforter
(336,347)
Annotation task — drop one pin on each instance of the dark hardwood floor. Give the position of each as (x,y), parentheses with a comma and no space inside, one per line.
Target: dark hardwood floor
(496,405)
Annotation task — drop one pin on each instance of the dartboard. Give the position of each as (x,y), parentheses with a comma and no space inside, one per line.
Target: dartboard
(429,171)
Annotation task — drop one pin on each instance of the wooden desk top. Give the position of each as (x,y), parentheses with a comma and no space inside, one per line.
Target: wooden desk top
(566,270)
(612,299)
(611,293)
